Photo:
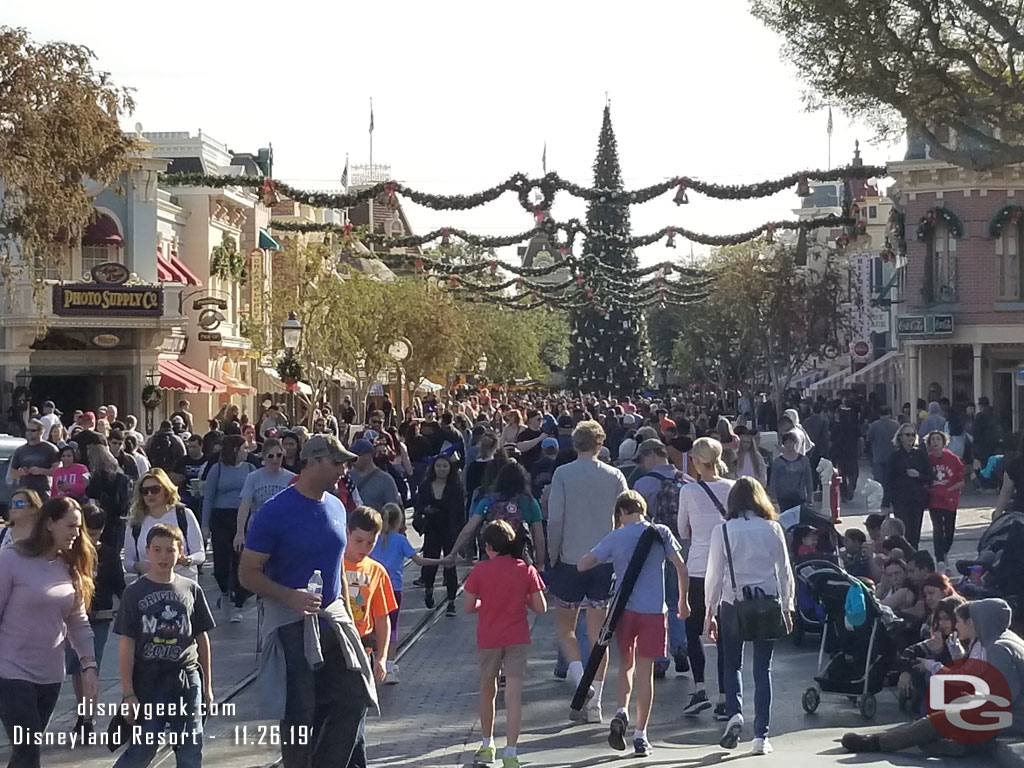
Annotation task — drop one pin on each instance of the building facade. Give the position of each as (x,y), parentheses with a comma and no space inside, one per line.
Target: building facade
(962,320)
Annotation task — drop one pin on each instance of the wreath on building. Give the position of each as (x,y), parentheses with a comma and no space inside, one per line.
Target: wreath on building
(1011,213)
(289,369)
(152,396)
(933,217)
(227,262)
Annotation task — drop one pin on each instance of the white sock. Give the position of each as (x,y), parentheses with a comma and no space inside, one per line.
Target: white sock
(622,711)
(640,733)
(576,671)
(509,752)
(700,687)
(598,688)
(487,741)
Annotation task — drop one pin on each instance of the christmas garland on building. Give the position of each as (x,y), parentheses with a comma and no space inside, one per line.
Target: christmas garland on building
(927,223)
(569,231)
(1008,213)
(534,194)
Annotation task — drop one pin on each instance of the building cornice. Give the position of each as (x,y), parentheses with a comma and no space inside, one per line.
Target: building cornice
(923,176)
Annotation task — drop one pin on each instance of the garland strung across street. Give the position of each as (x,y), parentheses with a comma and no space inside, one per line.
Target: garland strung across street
(524,188)
(570,230)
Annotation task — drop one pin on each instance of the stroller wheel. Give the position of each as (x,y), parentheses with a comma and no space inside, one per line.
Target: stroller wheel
(811,699)
(868,706)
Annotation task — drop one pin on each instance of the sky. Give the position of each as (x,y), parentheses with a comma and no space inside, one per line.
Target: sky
(467,93)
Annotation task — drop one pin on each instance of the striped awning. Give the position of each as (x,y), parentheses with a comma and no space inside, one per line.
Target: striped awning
(176,375)
(805,380)
(830,383)
(883,370)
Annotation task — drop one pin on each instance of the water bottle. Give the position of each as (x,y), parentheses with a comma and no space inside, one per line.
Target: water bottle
(316,584)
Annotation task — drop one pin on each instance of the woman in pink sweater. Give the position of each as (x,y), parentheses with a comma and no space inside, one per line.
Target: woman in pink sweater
(46,585)
(71,477)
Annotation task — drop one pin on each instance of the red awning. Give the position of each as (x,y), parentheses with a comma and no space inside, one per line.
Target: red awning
(103,231)
(177,375)
(188,277)
(163,270)
(173,270)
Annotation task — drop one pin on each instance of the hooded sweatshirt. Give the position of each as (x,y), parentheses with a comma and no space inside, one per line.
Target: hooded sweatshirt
(1004,650)
(933,421)
(804,444)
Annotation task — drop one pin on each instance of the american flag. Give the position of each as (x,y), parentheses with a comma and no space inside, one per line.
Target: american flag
(344,174)
(371,115)
(829,121)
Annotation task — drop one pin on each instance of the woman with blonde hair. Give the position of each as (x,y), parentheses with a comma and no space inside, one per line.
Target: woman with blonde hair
(513,426)
(46,587)
(748,553)
(156,501)
(701,510)
(749,461)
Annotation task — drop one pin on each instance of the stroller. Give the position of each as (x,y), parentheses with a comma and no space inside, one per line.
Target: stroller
(810,613)
(998,570)
(854,662)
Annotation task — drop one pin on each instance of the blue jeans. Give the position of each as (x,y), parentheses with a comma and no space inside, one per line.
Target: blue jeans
(562,666)
(732,650)
(676,626)
(186,728)
(100,630)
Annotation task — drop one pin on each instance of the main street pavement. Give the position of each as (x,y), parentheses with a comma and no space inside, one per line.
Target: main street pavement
(430,718)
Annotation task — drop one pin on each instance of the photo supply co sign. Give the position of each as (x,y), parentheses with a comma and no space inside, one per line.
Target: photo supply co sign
(969,701)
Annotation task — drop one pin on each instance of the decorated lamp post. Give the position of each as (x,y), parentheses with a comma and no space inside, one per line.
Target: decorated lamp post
(152,396)
(290,369)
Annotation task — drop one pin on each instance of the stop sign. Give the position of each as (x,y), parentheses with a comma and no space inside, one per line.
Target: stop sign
(861,349)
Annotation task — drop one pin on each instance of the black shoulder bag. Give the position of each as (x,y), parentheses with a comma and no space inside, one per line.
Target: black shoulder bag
(758,614)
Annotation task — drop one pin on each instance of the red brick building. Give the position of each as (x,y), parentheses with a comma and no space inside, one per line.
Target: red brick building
(961,321)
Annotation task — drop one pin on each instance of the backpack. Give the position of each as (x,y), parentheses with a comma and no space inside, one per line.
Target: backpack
(180,513)
(162,451)
(666,502)
(510,511)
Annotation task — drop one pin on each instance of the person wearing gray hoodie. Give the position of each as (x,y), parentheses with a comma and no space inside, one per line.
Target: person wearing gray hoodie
(993,641)
(935,420)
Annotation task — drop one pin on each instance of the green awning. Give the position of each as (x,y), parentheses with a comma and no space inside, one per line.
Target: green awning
(267,243)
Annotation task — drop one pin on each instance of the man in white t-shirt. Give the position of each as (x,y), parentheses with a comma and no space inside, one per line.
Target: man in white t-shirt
(50,418)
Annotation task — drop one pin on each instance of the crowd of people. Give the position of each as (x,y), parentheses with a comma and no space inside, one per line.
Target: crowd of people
(550,496)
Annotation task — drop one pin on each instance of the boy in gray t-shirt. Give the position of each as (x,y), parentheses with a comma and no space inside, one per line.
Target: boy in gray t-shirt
(642,631)
(163,623)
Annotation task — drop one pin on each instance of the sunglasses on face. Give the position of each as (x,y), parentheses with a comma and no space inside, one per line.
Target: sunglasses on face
(32,430)
(151,490)
(275,455)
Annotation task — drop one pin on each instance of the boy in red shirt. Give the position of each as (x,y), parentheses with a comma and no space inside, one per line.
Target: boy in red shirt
(500,589)
(944,494)
(370,594)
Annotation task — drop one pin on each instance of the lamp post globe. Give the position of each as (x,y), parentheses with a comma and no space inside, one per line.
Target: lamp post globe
(481,364)
(291,332)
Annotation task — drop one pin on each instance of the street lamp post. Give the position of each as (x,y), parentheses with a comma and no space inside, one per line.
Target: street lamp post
(291,335)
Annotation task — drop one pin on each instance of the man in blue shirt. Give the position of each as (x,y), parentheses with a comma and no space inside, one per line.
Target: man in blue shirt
(301,530)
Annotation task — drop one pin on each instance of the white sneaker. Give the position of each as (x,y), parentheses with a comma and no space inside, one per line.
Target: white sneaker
(594,714)
(762,747)
(391,678)
(236,616)
(731,737)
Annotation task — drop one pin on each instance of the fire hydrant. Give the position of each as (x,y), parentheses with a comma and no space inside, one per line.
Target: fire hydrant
(835,495)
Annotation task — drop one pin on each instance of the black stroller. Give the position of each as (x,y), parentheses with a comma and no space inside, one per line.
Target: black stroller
(998,569)
(856,662)
(809,617)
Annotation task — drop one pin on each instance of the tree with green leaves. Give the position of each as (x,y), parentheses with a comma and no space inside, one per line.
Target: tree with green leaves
(950,71)
(58,127)
(609,348)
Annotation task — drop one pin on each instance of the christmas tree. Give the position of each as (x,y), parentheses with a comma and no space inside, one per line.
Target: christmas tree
(609,349)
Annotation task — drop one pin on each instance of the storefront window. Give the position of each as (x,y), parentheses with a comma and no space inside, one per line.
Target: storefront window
(93,255)
(1008,274)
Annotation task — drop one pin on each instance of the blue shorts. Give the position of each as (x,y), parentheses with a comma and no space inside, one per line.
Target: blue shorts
(575,589)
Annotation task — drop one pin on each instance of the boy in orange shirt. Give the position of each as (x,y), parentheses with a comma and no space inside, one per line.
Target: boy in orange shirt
(370,594)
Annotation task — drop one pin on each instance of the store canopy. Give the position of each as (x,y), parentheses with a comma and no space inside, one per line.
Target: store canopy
(267,243)
(177,375)
(303,387)
(830,383)
(426,385)
(173,270)
(236,386)
(103,231)
(884,369)
(805,380)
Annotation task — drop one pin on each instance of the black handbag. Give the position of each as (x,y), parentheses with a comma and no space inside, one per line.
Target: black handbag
(758,614)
